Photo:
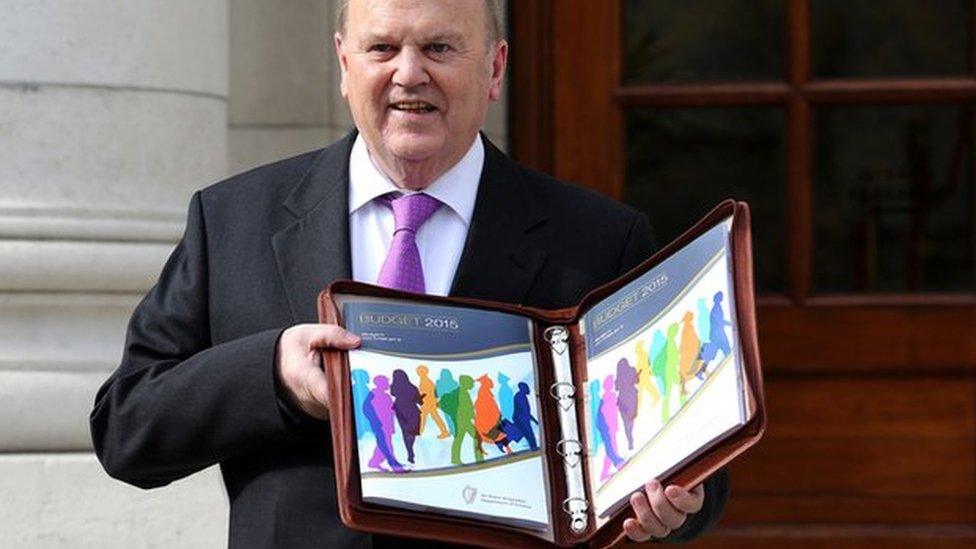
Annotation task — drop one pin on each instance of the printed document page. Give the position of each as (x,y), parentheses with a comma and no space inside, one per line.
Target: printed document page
(446,406)
(664,373)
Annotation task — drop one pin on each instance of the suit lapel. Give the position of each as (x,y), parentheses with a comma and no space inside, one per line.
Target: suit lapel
(500,260)
(313,251)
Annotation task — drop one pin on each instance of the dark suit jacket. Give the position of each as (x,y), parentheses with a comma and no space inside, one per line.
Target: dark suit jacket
(196,383)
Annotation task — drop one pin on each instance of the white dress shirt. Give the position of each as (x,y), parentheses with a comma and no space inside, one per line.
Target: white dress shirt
(440,239)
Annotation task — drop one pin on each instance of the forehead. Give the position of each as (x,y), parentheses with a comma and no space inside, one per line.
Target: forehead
(416,17)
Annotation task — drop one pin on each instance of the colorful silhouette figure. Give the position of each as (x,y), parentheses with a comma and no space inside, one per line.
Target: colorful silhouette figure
(446,385)
(506,397)
(645,378)
(659,357)
(716,334)
(360,388)
(463,416)
(689,362)
(702,319)
(378,409)
(488,417)
(428,406)
(406,407)
(659,360)
(522,417)
(597,439)
(671,377)
(626,384)
(607,425)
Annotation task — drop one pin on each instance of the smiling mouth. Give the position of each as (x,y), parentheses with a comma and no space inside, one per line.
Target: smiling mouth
(415,107)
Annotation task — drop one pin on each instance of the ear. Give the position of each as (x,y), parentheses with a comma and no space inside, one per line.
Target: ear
(499,61)
(343,63)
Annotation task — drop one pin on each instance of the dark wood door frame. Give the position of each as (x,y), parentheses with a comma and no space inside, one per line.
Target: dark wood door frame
(567,106)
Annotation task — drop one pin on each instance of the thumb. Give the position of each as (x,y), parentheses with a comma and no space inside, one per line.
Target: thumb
(325,336)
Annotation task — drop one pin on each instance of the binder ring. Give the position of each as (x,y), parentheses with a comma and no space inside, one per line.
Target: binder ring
(576,509)
(563,392)
(570,450)
(556,337)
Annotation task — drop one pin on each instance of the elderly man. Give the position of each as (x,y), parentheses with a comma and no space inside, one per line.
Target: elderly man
(221,361)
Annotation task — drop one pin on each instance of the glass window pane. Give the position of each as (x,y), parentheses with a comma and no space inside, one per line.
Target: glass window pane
(682,162)
(892,38)
(687,40)
(893,199)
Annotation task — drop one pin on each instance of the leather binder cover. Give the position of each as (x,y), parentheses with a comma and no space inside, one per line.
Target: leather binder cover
(359,515)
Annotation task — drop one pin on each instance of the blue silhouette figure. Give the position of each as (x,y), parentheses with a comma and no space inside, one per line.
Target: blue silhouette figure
(702,318)
(522,417)
(716,333)
(594,413)
(658,359)
(360,388)
(505,396)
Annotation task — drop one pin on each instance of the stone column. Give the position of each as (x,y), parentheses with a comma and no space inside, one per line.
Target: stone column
(284,90)
(111,114)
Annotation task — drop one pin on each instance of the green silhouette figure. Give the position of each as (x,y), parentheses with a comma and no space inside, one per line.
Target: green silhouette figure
(463,415)
(659,359)
(671,375)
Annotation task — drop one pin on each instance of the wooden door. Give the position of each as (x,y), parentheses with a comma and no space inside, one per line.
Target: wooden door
(849,127)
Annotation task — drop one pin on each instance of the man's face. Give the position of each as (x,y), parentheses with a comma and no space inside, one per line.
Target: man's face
(418,75)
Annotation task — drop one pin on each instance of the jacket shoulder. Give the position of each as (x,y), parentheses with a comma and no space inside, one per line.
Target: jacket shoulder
(583,203)
(269,180)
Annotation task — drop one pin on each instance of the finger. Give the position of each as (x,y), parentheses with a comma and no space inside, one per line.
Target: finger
(666,513)
(685,501)
(317,392)
(634,530)
(331,336)
(646,517)
(317,384)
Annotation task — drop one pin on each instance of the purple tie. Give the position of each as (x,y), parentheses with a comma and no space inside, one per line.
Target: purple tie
(402,269)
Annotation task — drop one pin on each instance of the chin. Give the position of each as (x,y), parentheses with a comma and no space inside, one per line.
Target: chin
(416,148)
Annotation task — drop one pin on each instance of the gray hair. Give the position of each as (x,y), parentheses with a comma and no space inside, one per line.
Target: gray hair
(493,12)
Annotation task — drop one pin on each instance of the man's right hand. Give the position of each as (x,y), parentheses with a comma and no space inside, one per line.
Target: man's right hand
(298,364)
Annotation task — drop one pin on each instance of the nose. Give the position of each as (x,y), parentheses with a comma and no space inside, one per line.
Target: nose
(411,70)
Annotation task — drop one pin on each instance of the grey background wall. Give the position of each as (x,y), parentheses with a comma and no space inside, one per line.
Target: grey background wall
(111,115)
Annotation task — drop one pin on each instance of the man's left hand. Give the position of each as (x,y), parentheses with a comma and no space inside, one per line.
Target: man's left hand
(660,511)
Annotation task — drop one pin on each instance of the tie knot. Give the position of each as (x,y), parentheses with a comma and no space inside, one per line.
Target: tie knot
(410,211)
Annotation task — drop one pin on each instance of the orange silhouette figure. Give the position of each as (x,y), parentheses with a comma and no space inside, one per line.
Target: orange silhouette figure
(428,407)
(688,351)
(487,416)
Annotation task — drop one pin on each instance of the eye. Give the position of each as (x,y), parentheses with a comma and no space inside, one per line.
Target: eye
(439,47)
(380,48)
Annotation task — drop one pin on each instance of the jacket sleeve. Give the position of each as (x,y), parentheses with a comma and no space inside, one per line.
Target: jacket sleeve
(639,246)
(177,404)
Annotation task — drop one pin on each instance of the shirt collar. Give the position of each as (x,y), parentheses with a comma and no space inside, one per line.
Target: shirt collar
(457,187)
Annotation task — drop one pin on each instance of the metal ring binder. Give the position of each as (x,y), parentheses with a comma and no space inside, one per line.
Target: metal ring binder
(556,337)
(576,508)
(563,392)
(570,450)
(569,447)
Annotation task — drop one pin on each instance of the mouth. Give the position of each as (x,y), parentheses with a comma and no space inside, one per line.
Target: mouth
(413,107)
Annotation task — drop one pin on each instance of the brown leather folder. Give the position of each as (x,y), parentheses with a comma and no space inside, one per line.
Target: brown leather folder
(371,517)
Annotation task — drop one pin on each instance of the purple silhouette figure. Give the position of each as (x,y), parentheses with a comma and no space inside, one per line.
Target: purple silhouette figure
(626,385)
(378,409)
(607,425)
(406,405)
